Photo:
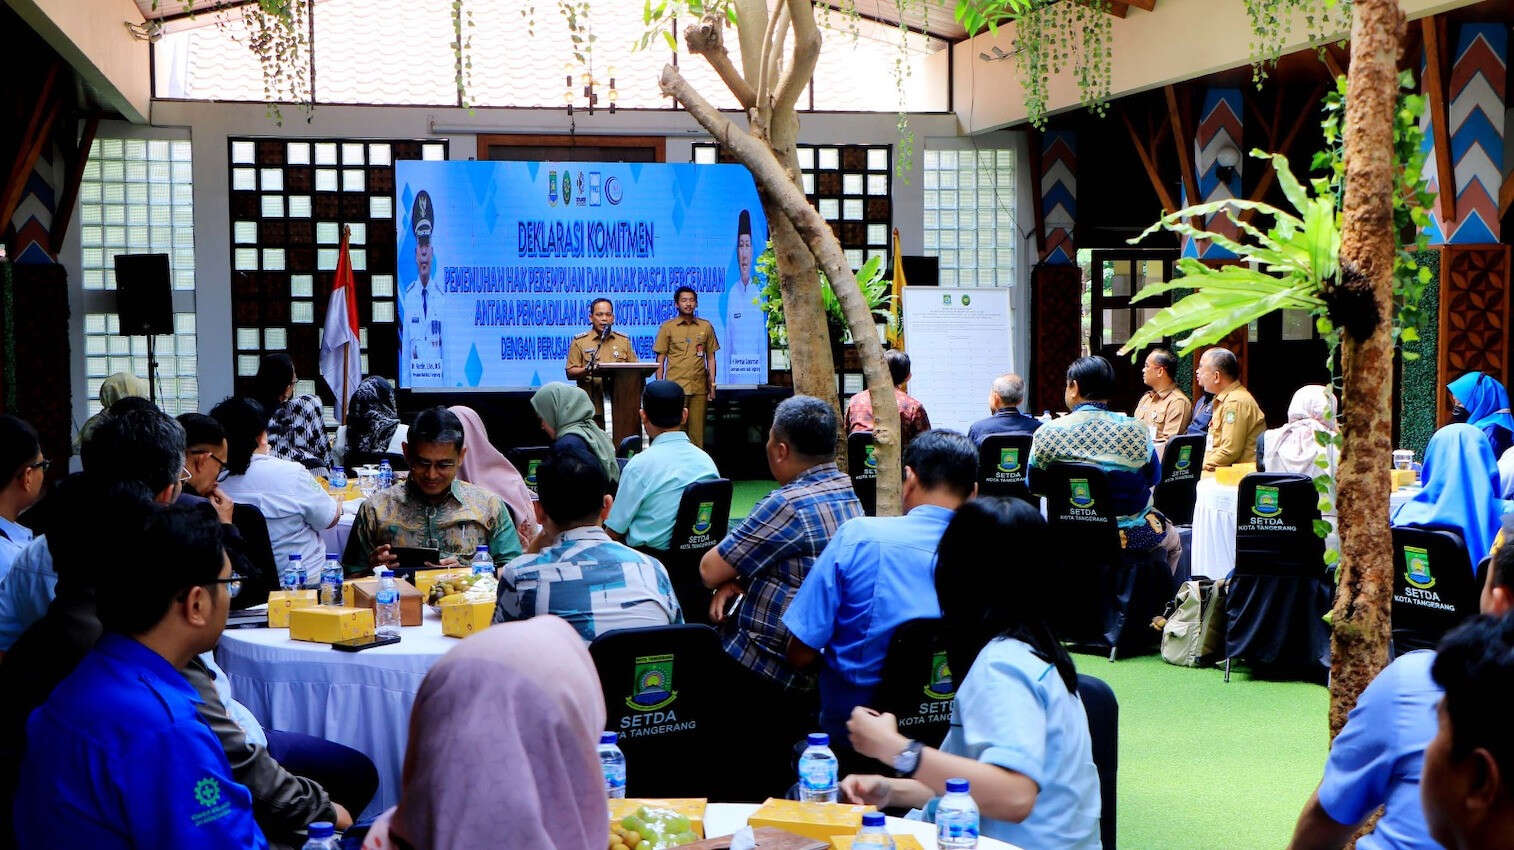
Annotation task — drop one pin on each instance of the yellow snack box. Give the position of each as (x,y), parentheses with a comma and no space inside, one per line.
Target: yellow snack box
(425,578)
(901,842)
(1231,476)
(690,807)
(820,821)
(329,623)
(281,602)
(1405,478)
(460,619)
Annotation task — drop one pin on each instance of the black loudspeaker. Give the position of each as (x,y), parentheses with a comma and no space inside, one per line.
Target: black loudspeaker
(144,298)
(922,271)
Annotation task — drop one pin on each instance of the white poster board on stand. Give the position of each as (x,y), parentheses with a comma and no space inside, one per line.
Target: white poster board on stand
(958,341)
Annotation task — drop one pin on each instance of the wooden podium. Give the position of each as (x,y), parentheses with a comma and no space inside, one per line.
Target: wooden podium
(625,382)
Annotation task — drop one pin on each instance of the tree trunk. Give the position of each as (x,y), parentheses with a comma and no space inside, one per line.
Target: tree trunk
(1359,641)
(780,190)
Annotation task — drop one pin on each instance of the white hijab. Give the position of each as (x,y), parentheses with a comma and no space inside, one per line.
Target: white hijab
(1294,447)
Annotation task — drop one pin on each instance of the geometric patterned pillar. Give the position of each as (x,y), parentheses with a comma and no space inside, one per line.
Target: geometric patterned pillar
(1059,195)
(33,220)
(1475,124)
(1220,126)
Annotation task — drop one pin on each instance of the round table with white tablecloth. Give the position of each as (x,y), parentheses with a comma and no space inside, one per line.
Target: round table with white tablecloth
(1213,549)
(725,818)
(360,699)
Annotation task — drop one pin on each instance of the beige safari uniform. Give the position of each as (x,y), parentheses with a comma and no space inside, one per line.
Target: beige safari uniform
(1237,422)
(1167,414)
(685,343)
(616,348)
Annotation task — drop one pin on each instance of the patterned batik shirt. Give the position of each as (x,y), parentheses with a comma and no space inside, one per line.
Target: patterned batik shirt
(468,518)
(297,432)
(772,551)
(912,419)
(591,581)
(1118,444)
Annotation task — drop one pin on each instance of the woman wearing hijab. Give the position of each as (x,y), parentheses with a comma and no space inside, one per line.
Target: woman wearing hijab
(486,467)
(1459,490)
(296,426)
(502,748)
(373,422)
(1295,447)
(1482,402)
(566,411)
(113,389)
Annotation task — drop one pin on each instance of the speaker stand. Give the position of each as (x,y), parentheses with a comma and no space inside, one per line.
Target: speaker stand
(152,370)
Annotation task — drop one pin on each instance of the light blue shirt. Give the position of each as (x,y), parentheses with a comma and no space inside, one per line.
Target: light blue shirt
(26,591)
(13,539)
(1013,710)
(1378,756)
(874,575)
(651,486)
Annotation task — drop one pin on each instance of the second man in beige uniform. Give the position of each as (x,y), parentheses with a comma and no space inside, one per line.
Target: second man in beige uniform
(1164,409)
(1238,420)
(612,347)
(686,347)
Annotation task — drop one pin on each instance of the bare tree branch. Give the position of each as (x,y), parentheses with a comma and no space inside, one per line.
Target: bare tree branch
(707,39)
(775,59)
(765,81)
(751,23)
(806,54)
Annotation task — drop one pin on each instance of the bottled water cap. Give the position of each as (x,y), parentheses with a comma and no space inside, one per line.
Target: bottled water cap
(819,739)
(956,786)
(321,829)
(294,556)
(484,549)
(872,819)
(332,556)
(608,737)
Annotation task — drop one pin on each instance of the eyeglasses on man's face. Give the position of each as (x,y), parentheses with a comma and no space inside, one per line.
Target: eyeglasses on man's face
(222,473)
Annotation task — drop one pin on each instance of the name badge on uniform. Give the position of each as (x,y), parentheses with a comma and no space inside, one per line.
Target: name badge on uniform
(699,350)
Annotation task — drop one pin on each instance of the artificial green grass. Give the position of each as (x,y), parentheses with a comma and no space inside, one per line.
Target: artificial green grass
(746,494)
(1206,765)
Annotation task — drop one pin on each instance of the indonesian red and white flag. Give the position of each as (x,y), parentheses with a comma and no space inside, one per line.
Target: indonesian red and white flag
(341,362)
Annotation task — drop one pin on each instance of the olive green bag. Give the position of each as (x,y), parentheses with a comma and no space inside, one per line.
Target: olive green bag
(1193,629)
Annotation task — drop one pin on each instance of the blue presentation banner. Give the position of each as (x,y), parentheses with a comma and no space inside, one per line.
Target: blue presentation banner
(499,263)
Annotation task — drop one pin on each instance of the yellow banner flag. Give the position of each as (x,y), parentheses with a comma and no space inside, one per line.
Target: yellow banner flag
(896,300)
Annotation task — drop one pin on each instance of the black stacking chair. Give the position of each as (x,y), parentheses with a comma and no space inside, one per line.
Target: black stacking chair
(1002,462)
(1434,586)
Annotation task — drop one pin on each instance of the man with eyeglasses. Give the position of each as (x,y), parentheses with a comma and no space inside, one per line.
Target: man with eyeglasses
(247,541)
(432,509)
(21,458)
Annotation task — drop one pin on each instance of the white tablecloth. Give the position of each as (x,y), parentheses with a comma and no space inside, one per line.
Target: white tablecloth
(1213,552)
(725,818)
(361,699)
(336,536)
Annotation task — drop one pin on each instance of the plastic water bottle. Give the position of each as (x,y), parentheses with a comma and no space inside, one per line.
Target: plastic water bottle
(483,565)
(293,577)
(614,763)
(387,606)
(338,478)
(817,770)
(385,475)
(957,818)
(331,580)
(320,835)
(874,834)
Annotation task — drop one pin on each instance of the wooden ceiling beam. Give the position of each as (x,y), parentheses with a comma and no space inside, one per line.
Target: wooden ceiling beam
(1183,139)
(1148,5)
(29,144)
(1148,162)
(73,177)
(1264,184)
(1435,86)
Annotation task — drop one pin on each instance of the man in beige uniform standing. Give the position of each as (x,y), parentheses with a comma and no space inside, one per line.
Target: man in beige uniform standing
(1237,421)
(686,347)
(597,345)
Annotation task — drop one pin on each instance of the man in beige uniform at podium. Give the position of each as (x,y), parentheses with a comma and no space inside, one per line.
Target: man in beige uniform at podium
(598,345)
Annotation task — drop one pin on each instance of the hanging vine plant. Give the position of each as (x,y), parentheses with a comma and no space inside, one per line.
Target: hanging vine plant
(1051,36)
(462,46)
(1272,25)
(278,34)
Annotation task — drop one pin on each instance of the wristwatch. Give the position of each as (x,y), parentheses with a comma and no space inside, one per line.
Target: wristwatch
(908,760)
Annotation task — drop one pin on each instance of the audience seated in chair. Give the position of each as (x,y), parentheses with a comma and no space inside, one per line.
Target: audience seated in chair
(1164,409)
(24,468)
(1004,416)
(485,466)
(1118,444)
(1020,734)
(373,424)
(647,502)
(1378,757)
(912,418)
(431,508)
(874,575)
(574,570)
(246,539)
(1480,400)
(286,493)
(502,747)
(1460,490)
(296,424)
(567,413)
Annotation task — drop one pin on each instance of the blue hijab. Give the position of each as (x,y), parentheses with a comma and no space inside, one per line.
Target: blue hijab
(1459,490)
(1487,404)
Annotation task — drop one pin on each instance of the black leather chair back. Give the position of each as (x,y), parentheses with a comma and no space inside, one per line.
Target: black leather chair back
(1274,534)
(666,693)
(704,516)
(629,447)
(1182,462)
(1002,462)
(1434,586)
(917,684)
(1103,712)
(526,459)
(862,465)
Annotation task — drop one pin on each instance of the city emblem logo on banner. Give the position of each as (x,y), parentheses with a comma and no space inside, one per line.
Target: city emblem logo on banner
(1082,494)
(593,188)
(1009,460)
(1185,457)
(966,299)
(653,687)
(702,518)
(552,188)
(1417,572)
(940,685)
(567,188)
(531,471)
(612,190)
(871,461)
(947,300)
(1266,502)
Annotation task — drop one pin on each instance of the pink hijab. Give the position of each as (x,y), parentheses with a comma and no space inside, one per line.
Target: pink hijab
(502,747)
(485,467)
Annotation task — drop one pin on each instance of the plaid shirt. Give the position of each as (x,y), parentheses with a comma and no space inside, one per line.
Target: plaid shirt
(591,581)
(297,432)
(912,419)
(772,551)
